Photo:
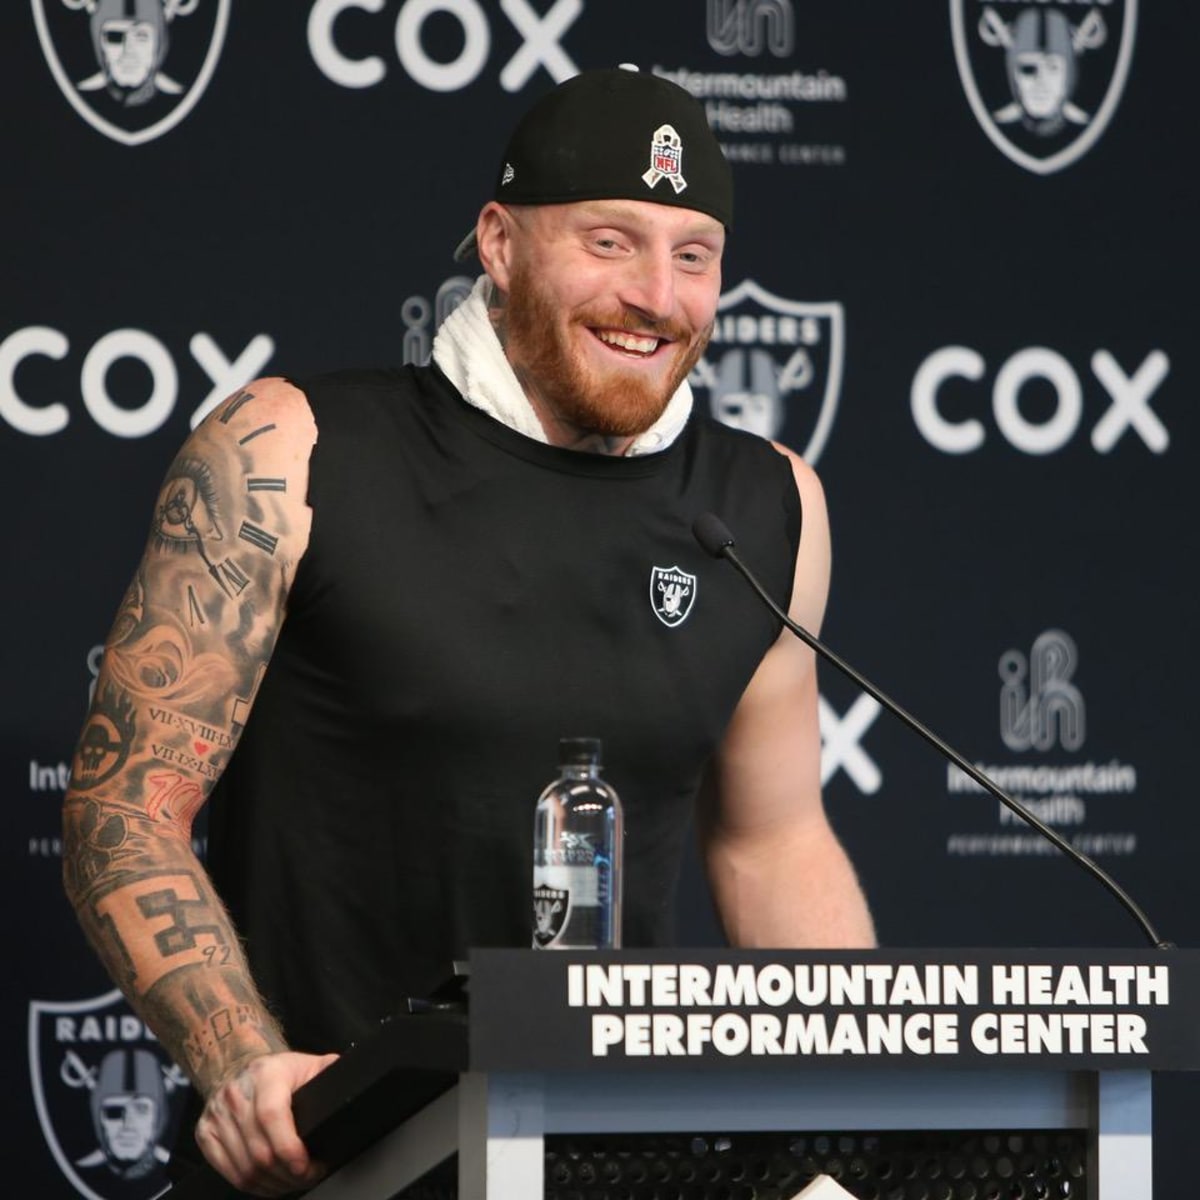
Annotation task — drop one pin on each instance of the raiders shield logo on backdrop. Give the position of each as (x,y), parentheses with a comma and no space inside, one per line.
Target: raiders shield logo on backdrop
(132,69)
(774,366)
(1043,78)
(108,1099)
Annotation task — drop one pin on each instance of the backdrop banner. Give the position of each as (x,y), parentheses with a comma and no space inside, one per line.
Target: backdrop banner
(959,282)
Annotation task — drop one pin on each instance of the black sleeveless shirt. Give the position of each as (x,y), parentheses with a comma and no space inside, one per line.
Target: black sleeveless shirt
(468,596)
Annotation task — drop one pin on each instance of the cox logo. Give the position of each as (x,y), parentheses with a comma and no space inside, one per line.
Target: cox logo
(41,420)
(540,46)
(1128,411)
(841,743)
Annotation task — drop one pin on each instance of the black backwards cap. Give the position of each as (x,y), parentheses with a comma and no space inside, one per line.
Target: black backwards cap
(615,134)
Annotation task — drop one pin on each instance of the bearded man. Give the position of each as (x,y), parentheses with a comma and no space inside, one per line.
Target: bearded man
(393,591)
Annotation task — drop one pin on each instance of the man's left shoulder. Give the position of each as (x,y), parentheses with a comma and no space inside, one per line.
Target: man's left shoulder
(734,442)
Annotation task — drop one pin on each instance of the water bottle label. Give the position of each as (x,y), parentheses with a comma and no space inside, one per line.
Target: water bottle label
(564,900)
(551,907)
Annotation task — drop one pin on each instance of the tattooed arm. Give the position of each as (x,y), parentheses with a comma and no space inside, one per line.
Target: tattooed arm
(181,665)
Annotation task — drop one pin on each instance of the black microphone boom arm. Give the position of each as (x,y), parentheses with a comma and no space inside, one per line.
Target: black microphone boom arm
(714,536)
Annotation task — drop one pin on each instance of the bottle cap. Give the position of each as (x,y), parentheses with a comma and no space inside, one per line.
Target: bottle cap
(579,751)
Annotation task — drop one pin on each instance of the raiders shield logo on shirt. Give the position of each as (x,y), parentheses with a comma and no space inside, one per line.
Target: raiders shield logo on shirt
(672,594)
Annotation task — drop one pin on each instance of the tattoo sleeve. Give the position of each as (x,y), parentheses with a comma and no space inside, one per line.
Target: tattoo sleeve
(182,663)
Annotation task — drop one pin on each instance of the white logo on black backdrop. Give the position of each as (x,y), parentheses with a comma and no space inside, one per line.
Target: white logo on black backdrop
(751,26)
(774,366)
(757,114)
(1039,705)
(1043,79)
(1043,710)
(541,44)
(108,1099)
(1127,396)
(841,743)
(422,318)
(133,69)
(123,409)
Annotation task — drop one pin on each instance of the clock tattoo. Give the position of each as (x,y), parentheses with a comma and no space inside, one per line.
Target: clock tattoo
(189,516)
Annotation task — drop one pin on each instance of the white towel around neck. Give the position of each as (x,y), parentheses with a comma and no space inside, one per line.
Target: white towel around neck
(468,351)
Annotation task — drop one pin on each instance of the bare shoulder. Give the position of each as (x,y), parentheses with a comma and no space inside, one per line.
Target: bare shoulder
(810,588)
(271,405)
(808,484)
(244,469)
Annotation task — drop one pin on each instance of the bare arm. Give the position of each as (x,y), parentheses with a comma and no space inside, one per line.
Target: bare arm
(779,875)
(181,667)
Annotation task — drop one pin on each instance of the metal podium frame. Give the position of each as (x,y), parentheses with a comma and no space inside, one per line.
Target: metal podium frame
(497,1122)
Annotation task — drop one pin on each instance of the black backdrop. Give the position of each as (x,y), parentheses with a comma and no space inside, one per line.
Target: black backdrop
(975,314)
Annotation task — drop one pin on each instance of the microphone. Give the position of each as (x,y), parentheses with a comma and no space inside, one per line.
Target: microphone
(714,537)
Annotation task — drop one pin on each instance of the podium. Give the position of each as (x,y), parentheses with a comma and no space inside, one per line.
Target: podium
(740,1074)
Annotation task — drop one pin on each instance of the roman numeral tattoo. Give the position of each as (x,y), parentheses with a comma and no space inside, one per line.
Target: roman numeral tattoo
(195,612)
(241,398)
(234,579)
(255,433)
(258,537)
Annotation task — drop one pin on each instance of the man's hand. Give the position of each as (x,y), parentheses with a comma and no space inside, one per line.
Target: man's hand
(247,1133)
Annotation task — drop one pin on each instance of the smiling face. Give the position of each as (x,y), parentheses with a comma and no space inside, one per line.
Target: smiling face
(609,303)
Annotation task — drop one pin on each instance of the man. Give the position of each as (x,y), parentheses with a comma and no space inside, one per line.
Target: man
(464,556)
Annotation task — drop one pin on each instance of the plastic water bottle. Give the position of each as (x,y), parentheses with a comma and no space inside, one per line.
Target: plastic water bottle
(577,843)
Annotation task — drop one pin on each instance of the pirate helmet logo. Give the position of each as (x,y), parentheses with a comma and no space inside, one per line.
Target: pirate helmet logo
(672,594)
(551,907)
(774,366)
(1043,81)
(107,1098)
(133,69)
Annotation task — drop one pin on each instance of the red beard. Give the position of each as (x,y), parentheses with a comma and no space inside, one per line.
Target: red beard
(613,403)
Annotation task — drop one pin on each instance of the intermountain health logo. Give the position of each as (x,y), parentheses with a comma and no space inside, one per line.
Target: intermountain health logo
(1086,796)
(108,1099)
(774,366)
(1044,78)
(132,69)
(748,27)
(1040,706)
(423,318)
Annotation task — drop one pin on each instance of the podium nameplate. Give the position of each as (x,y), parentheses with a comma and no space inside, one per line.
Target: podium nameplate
(1034,1009)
